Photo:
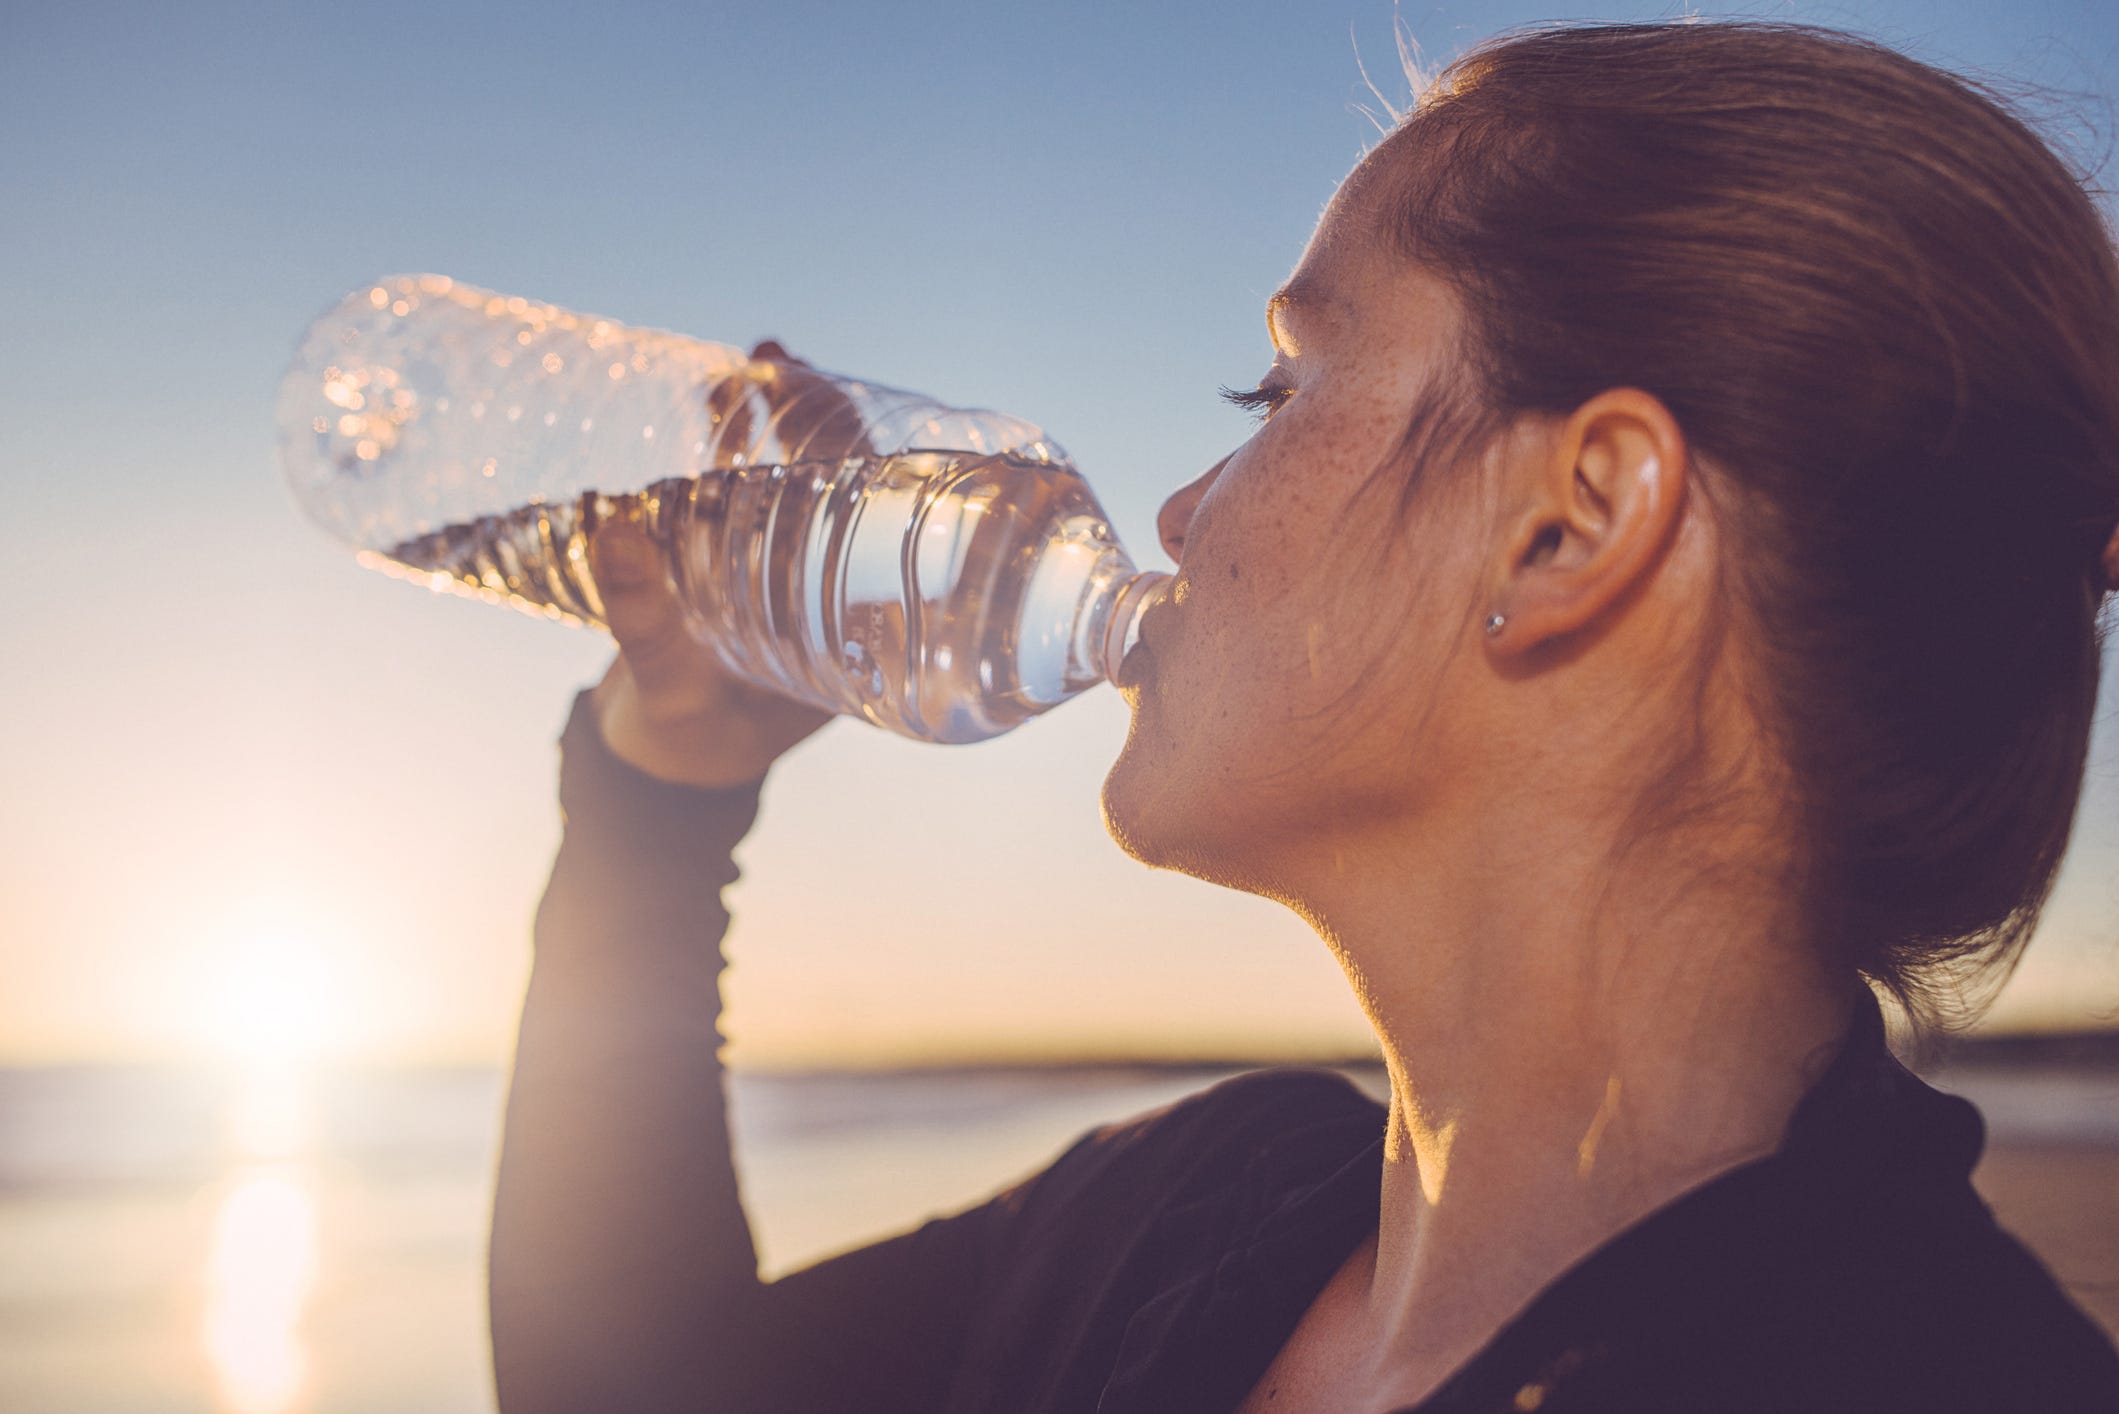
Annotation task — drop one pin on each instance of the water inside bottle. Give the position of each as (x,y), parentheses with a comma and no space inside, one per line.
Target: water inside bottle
(945,595)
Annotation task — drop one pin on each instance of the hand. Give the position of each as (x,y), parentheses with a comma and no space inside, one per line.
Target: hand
(667,706)
(780,409)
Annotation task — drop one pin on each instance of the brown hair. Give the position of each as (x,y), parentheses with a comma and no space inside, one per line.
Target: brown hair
(1887,316)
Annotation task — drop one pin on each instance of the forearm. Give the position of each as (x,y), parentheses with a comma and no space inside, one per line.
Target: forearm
(620,1247)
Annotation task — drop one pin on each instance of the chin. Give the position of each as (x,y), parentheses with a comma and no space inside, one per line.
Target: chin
(1154,816)
(1138,802)
(1126,817)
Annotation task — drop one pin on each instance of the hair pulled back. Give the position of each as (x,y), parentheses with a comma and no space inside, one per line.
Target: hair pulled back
(1887,316)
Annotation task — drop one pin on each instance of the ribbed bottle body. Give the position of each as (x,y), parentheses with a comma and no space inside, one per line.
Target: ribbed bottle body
(942,573)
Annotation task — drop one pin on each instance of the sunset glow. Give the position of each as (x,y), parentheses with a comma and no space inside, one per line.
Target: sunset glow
(258,1277)
(276,997)
(284,809)
(289,812)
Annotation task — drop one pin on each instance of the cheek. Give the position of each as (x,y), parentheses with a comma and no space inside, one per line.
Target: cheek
(1298,580)
(1253,540)
(1296,592)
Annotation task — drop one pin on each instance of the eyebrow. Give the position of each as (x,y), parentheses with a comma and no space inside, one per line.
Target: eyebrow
(1297,294)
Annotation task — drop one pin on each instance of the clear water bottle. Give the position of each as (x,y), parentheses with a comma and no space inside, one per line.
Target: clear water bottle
(943,573)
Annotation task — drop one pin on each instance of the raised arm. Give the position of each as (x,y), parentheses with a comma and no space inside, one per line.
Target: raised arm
(622,1270)
(620,1250)
(623,1273)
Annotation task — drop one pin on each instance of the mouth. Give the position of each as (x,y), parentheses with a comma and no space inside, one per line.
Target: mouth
(1156,613)
(1133,671)
(1139,662)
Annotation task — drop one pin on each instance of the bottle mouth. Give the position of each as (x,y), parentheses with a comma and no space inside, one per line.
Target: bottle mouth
(1122,630)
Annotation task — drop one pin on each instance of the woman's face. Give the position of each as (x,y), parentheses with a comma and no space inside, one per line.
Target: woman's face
(1295,694)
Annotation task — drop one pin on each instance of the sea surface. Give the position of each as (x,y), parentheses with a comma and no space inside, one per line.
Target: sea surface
(281,1241)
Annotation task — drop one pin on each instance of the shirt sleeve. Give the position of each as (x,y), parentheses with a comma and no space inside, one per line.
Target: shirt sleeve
(622,1272)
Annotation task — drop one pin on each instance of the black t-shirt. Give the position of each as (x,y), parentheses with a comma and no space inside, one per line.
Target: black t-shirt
(1159,1264)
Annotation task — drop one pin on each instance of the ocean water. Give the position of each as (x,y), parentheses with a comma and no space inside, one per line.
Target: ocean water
(287,1243)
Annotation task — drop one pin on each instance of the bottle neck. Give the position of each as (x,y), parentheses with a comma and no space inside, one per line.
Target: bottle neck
(1130,595)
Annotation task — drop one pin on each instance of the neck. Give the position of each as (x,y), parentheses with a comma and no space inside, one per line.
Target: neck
(1564,1059)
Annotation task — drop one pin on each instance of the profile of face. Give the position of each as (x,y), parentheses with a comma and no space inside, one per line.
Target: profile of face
(1297,696)
(1765,648)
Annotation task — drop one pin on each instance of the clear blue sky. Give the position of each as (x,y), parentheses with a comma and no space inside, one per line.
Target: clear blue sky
(221,737)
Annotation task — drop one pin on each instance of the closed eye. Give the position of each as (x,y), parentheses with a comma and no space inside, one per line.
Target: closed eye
(1261,402)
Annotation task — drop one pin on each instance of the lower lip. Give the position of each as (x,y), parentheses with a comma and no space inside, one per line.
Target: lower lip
(1140,659)
(1135,668)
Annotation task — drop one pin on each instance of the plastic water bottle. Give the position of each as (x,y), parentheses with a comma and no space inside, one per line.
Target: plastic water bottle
(944,573)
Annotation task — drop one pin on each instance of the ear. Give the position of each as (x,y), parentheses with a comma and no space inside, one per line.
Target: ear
(1600,500)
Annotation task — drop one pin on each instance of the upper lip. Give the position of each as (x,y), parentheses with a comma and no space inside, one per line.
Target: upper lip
(1155,611)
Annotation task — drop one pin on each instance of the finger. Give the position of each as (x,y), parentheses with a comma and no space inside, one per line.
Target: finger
(771,349)
(639,602)
(812,418)
(729,405)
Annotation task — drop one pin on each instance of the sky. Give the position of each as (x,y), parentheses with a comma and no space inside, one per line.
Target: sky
(262,799)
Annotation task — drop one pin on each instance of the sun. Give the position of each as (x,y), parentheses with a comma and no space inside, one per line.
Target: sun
(275,1002)
(276,999)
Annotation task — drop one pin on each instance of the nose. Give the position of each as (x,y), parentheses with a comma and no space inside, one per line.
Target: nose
(1175,517)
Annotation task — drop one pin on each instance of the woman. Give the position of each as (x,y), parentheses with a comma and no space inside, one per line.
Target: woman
(1663,593)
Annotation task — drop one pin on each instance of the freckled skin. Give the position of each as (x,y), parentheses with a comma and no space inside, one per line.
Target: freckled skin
(1320,718)
(1576,1030)
(1303,640)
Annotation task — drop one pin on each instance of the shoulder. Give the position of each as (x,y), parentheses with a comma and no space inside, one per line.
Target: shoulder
(1244,1115)
(1939,1310)
(1962,1311)
(1889,1278)
(1256,1100)
(1305,1121)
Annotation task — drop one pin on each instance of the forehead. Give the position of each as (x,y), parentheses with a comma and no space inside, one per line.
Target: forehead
(1355,271)
(1360,224)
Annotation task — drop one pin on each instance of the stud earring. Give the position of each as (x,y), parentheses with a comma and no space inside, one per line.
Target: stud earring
(1495,623)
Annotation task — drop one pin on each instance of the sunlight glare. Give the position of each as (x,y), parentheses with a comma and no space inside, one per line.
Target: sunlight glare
(270,1114)
(274,1001)
(258,1277)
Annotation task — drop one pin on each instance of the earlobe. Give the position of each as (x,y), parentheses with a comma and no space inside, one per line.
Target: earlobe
(1602,495)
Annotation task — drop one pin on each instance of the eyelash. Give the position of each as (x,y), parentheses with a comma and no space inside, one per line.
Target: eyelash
(1261,402)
